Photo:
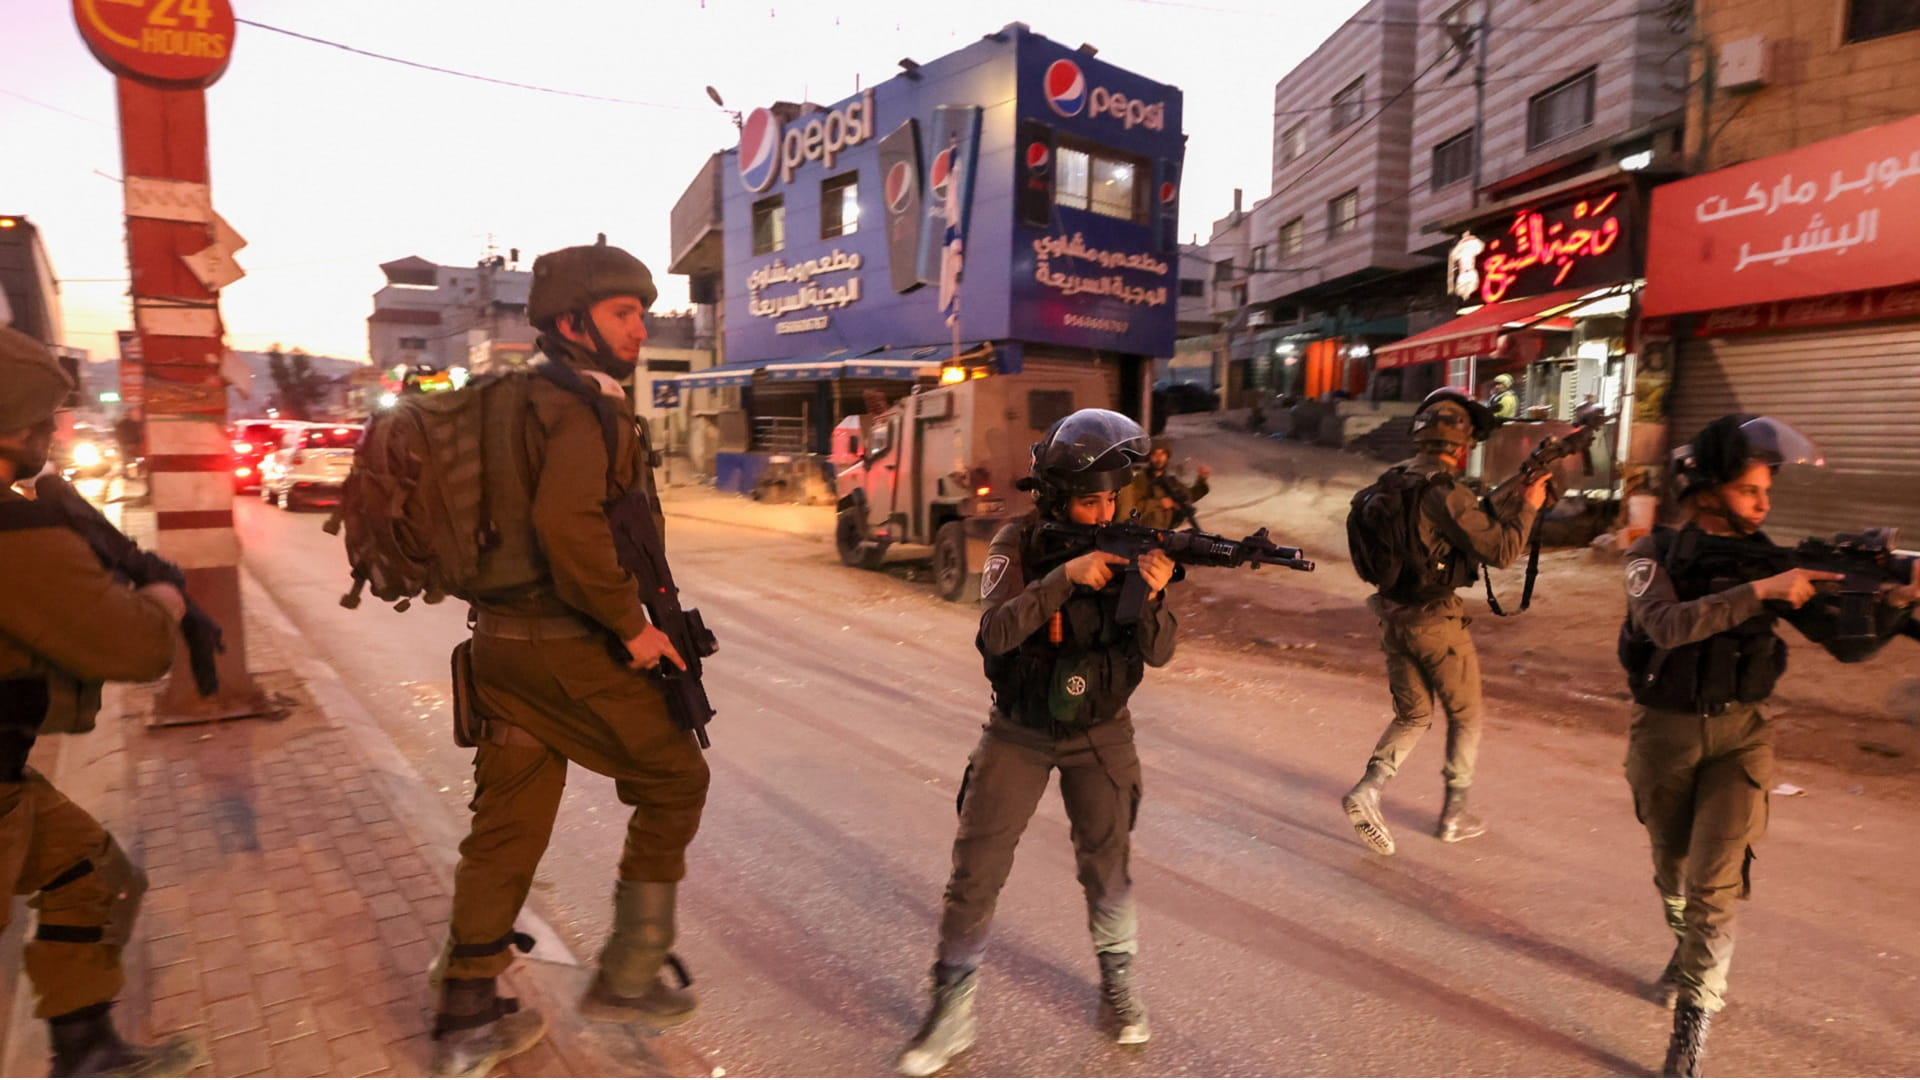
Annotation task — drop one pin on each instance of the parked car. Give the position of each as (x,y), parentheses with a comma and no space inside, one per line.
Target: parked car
(252,441)
(1182,397)
(312,463)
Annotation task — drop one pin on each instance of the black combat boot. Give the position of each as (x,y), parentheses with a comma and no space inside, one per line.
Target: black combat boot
(1119,999)
(1456,822)
(86,1044)
(1362,805)
(477,1029)
(1689,1043)
(630,986)
(948,1030)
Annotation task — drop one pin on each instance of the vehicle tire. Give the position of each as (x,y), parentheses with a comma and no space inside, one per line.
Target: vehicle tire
(287,502)
(849,530)
(950,560)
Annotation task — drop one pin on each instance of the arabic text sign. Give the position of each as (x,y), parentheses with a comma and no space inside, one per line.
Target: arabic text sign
(1559,245)
(1825,218)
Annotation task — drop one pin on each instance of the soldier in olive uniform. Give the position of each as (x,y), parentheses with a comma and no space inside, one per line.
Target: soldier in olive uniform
(1423,630)
(1062,668)
(66,625)
(1162,500)
(550,691)
(1701,657)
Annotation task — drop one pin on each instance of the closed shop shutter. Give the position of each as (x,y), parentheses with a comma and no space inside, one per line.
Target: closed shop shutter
(1854,390)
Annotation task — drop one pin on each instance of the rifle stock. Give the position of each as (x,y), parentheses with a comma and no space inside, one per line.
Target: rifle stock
(124,558)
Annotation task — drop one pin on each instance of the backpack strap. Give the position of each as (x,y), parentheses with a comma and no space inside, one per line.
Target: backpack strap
(569,380)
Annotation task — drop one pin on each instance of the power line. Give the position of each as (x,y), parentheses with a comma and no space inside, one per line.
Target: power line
(466,74)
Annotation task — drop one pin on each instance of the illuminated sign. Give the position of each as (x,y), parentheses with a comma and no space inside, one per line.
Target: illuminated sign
(766,147)
(1065,88)
(1558,246)
(809,295)
(178,44)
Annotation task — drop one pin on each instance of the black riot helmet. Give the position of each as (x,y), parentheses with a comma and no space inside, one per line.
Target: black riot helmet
(1450,415)
(1724,448)
(1088,451)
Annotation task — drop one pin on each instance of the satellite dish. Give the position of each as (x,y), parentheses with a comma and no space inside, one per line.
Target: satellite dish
(715,95)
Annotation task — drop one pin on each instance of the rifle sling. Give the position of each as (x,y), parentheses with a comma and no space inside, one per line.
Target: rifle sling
(1533,573)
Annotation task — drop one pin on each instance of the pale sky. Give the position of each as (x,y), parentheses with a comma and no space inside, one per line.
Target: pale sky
(330,163)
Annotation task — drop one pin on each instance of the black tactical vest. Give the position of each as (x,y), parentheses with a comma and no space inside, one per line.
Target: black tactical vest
(1065,688)
(1736,666)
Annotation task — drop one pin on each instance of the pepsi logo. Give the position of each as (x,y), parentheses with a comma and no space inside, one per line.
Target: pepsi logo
(1039,156)
(1066,88)
(759,149)
(899,187)
(1168,192)
(939,174)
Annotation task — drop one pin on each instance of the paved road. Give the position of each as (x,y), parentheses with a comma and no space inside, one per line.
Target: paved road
(1272,942)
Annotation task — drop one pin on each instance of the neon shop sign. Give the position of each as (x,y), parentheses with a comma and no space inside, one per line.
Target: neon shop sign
(1558,246)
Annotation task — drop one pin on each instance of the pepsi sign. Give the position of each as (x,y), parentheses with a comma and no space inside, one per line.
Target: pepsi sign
(1065,88)
(764,144)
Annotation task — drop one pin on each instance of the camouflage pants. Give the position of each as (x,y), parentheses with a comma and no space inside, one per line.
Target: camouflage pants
(86,891)
(1429,660)
(1700,787)
(1005,777)
(554,702)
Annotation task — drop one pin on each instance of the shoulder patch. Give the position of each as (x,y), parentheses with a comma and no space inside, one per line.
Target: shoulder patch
(1640,576)
(991,574)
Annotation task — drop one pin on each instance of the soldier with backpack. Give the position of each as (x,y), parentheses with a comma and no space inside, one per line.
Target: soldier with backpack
(1417,535)
(560,670)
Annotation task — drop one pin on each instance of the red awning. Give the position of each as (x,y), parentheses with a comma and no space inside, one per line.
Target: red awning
(1475,333)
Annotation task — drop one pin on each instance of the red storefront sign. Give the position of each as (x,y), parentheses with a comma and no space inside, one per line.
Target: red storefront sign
(1559,245)
(1824,219)
(1897,303)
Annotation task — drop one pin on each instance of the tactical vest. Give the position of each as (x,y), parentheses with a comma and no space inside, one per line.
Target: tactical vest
(1736,666)
(1065,688)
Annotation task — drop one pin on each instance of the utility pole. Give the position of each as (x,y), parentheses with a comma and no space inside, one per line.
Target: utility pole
(1480,32)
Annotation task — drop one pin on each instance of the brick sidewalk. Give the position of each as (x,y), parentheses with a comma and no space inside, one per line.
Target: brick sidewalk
(296,896)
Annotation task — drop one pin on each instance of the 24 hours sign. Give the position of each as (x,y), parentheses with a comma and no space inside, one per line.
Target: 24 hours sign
(176,44)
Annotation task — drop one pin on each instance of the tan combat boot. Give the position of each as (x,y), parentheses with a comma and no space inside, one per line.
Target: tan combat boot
(477,1029)
(630,986)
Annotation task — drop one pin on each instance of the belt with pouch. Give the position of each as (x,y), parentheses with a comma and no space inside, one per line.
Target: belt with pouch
(532,627)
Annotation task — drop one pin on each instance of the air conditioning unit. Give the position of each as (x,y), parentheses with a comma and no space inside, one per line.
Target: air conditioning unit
(1259,317)
(1742,65)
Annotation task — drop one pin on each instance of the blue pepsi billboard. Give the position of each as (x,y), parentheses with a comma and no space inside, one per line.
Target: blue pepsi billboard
(1064,171)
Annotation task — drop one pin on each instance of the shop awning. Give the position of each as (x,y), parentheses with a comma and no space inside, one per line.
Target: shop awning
(1477,332)
(803,369)
(733,373)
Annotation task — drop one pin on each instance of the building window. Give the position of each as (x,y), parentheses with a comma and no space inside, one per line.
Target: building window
(1259,261)
(417,344)
(1293,237)
(1293,142)
(1348,104)
(1869,19)
(1101,180)
(839,205)
(1223,270)
(1343,213)
(1192,287)
(1453,160)
(770,225)
(1561,109)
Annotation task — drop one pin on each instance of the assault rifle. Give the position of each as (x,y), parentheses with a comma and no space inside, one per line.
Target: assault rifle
(1164,486)
(1504,497)
(1867,559)
(637,544)
(124,559)
(1186,547)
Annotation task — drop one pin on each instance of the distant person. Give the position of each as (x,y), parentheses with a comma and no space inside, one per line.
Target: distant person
(1702,658)
(1062,670)
(1164,502)
(127,431)
(1503,402)
(66,626)
(1423,631)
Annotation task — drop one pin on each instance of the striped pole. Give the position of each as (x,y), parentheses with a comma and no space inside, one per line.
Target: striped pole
(178,261)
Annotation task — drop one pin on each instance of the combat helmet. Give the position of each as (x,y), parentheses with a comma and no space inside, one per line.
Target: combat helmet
(1724,448)
(1449,415)
(1084,452)
(574,279)
(32,384)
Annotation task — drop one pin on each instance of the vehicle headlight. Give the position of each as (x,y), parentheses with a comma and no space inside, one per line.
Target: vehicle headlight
(86,455)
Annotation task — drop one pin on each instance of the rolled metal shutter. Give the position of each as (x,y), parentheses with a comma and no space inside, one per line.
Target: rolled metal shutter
(1035,363)
(1854,390)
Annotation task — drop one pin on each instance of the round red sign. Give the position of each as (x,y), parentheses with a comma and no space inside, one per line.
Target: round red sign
(182,44)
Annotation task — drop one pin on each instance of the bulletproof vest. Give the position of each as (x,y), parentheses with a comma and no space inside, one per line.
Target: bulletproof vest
(1387,544)
(1736,666)
(1066,687)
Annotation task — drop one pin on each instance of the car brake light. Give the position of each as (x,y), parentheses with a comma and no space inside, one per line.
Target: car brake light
(243,471)
(242,447)
(983,491)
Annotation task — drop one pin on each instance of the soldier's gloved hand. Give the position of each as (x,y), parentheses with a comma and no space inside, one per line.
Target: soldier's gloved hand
(1167,504)
(1203,472)
(1156,569)
(1794,587)
(646,650)
(1902,595)
(169,597)
(1094,569)
(1536,494)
